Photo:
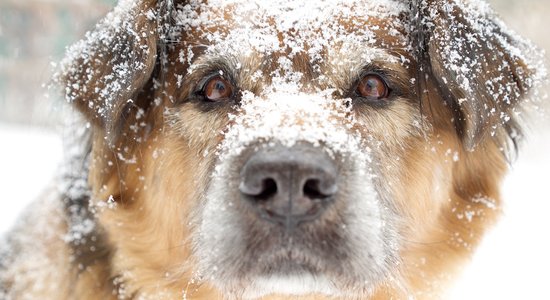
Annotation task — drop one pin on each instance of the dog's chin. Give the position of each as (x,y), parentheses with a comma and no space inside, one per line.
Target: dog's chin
(300,284)
(282,278)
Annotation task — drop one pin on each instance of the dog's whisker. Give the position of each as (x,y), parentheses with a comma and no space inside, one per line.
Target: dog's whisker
(425,242)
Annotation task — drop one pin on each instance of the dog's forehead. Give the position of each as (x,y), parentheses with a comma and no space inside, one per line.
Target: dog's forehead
(237,28)
(330,41)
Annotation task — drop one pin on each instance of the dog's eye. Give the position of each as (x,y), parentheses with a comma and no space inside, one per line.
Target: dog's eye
(372,86)
(217,89)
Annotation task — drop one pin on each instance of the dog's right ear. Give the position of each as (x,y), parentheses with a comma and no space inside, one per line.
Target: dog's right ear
(482,70)
(105,71)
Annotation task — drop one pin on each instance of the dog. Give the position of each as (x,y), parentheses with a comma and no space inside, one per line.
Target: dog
(281,149)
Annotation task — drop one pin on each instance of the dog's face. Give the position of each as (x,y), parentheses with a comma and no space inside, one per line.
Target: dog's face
(323,148)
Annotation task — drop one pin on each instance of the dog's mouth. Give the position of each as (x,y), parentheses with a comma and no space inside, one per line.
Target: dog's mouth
(312,248)
(308,259)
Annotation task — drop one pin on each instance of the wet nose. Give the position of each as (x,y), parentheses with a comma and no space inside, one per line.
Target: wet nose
(289,186)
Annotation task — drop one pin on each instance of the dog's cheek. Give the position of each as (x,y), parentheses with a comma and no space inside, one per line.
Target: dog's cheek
(422,181)
(152,232)
(414,163)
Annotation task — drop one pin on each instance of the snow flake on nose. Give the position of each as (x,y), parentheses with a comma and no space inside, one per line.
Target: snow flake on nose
(288,117)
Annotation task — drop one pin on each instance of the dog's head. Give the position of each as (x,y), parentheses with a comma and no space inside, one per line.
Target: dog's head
(301,148)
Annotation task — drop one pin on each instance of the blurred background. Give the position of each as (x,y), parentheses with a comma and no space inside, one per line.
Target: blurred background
(33,35)
(512,263)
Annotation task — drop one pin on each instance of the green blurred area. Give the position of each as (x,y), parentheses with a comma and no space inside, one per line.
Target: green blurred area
(35,33)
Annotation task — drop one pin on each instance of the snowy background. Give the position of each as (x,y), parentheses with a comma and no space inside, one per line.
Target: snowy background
(512,263)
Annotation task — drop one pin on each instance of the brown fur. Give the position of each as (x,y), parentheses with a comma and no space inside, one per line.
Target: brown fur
(143,247)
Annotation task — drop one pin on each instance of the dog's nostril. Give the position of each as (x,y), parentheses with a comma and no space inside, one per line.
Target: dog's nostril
(259,189)
(311,189)
(269,189)
(289,186)
(315,189)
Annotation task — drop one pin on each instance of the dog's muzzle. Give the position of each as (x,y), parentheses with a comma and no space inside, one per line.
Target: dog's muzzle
(289,186)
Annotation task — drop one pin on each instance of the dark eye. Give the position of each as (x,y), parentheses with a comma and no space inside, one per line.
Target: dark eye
(217,89)
(373,87)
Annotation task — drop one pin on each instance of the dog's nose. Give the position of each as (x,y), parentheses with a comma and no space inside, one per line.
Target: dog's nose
(289,186)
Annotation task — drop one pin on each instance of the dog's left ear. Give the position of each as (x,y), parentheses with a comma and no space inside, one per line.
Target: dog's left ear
(481,69)
(103,74)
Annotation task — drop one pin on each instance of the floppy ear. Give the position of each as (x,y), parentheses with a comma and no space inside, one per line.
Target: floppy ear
(104,73)
(481,69)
